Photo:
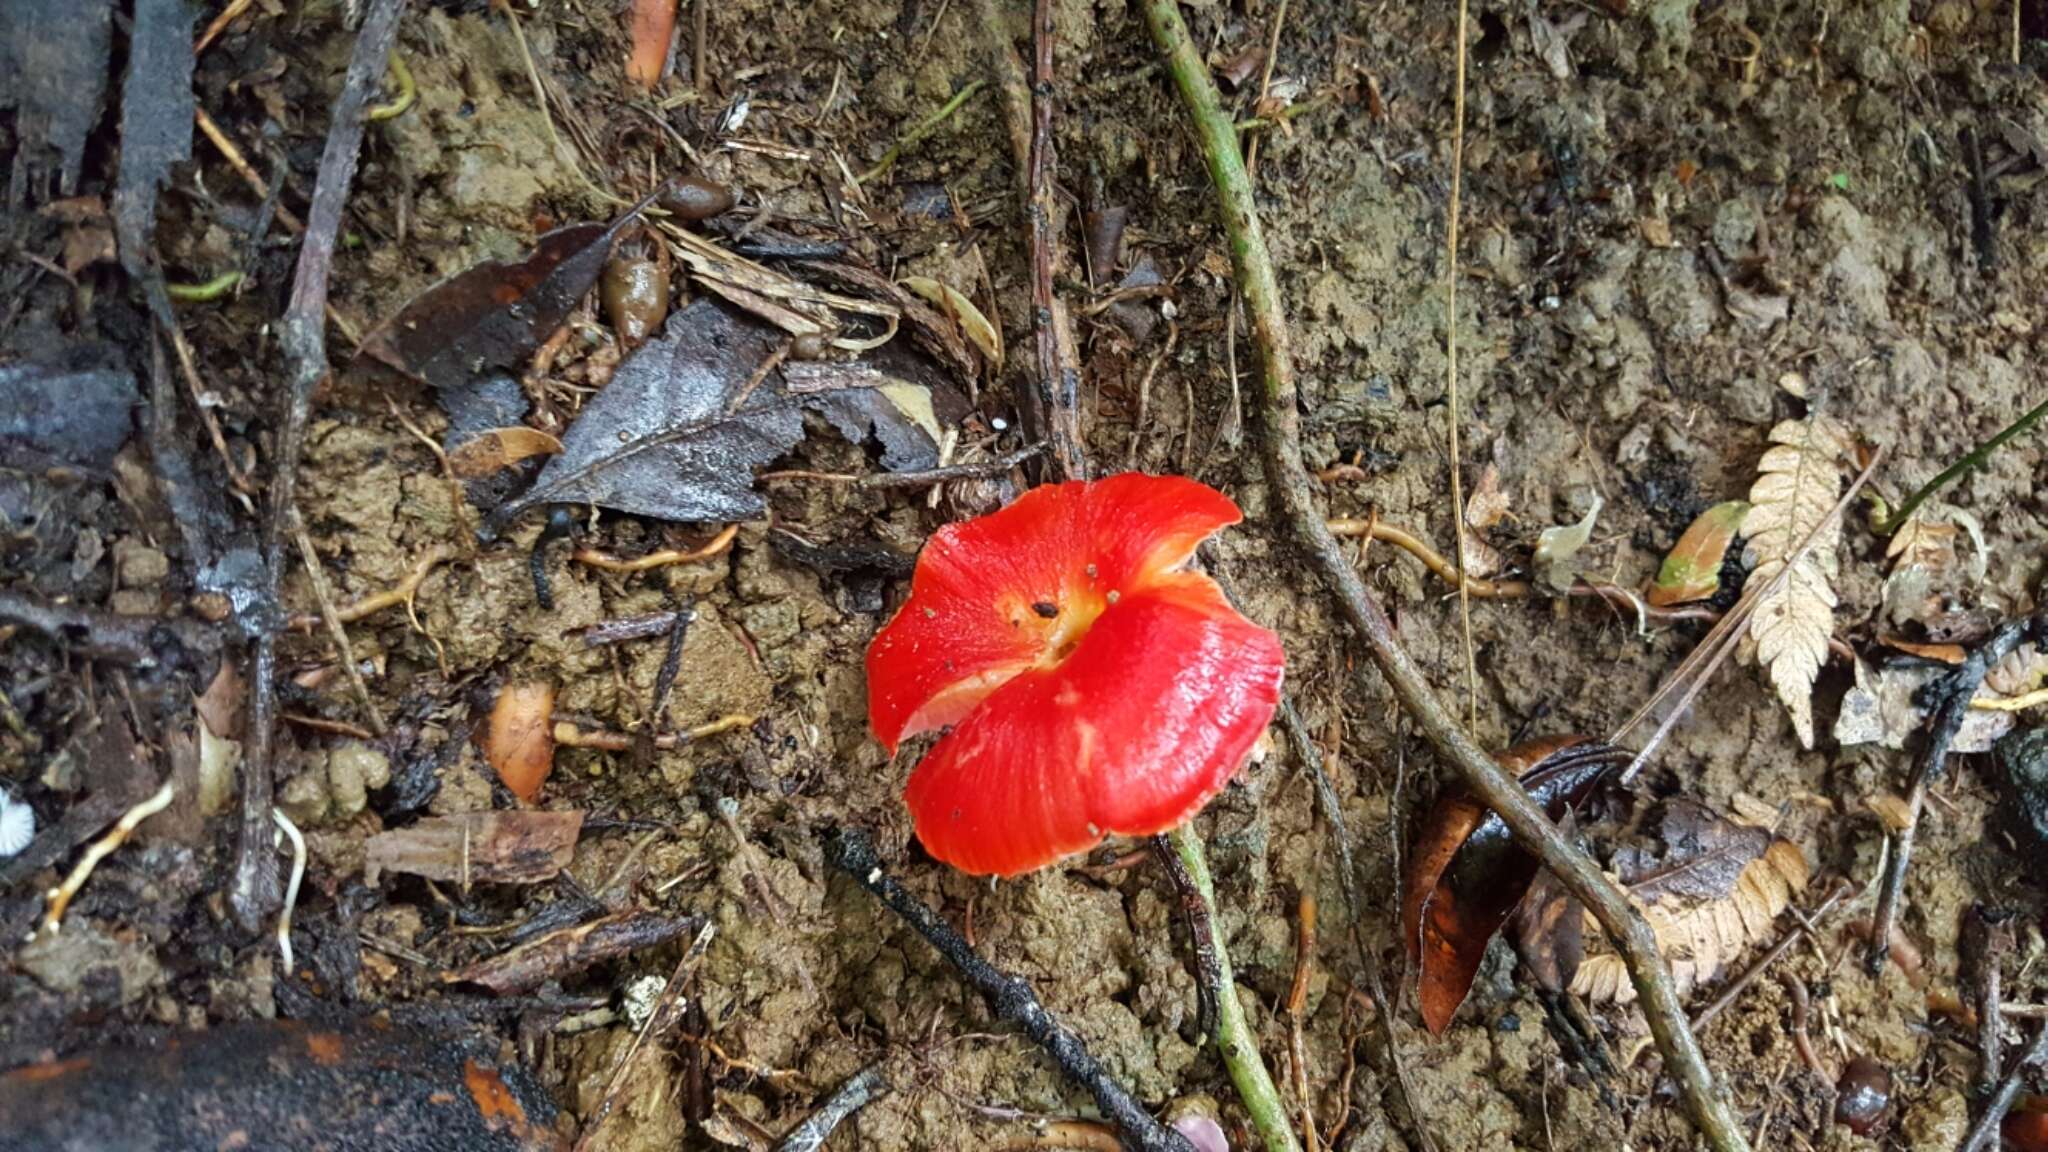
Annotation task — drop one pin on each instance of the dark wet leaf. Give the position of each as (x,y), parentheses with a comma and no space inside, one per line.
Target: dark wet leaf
(684,423)
(1702,856)
(380,1085)
(1548,932)
(517,847)
(895,397)
(571,950)
(496,314)
(1467,873)
(53,72)
(74,415)
(660,440)
(2022,762)
(156,121)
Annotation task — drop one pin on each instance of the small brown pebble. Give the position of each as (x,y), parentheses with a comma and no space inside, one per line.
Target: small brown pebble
(695,198)
(1863,1095)
(809,346)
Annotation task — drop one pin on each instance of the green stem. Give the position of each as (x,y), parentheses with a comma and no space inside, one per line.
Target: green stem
(1978,455)
(921,130)
(1280,418)
(206,292)
(1233,1035)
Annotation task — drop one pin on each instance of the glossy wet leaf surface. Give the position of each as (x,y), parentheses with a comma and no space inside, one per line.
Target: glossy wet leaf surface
(1468,873)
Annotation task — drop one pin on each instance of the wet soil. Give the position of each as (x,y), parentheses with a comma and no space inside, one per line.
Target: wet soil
(1625,176)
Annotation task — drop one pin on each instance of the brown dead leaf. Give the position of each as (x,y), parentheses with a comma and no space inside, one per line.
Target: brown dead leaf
(957,307)
(498,449)
(653,26)
(1716,889)
(496,314)
(1488,505)
(220,706)
(520,739)
(491,847)
(1467,873)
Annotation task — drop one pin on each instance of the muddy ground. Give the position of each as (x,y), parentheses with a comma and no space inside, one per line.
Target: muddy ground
(1618,166)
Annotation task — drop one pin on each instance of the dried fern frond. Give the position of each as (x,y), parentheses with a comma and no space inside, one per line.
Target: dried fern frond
(1798,482)
(1700,939)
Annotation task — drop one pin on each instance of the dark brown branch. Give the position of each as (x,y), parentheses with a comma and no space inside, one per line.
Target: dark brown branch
(852,1095)
(1985,1132)
(1280,415)
(1010,998)
(254,891)
(1201,934)
(1950,698)
(1058,381)
(1050,404)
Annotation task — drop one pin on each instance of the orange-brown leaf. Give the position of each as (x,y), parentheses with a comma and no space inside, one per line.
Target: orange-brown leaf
(498,449)
(1692,569)
(520,741)
(1467,873)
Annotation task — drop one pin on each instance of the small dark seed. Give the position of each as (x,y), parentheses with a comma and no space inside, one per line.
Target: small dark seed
(1046,608)
(694,198)
(1863,1094)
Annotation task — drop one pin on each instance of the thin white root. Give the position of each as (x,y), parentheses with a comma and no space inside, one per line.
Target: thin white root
(290,832)
(59,898)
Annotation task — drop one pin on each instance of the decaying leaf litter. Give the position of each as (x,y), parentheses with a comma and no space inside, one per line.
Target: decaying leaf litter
(1703,227)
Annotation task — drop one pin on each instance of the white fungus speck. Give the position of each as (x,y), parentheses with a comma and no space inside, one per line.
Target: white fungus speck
(17,824)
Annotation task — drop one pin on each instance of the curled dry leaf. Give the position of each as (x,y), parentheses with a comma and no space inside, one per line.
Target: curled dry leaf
(520,742)
(1692,569)
(1923,564)
(1467,873)
(799,309)
(1798,481)
(485,847)
(498,449)
(1716,888)
(1557,549)
(496,314)
(976,327)
(1483,509)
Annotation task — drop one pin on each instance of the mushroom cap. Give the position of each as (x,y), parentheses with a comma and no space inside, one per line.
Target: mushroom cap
(1091,684)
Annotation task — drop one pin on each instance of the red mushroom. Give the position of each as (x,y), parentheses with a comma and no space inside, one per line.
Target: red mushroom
(1092,684)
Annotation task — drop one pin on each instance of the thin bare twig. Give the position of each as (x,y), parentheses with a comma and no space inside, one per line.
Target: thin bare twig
(1451,367)
(1280,414)
(1951,696)
(1985,1131)
(853,853)
(659,1020)
(337,631)
(254,889)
